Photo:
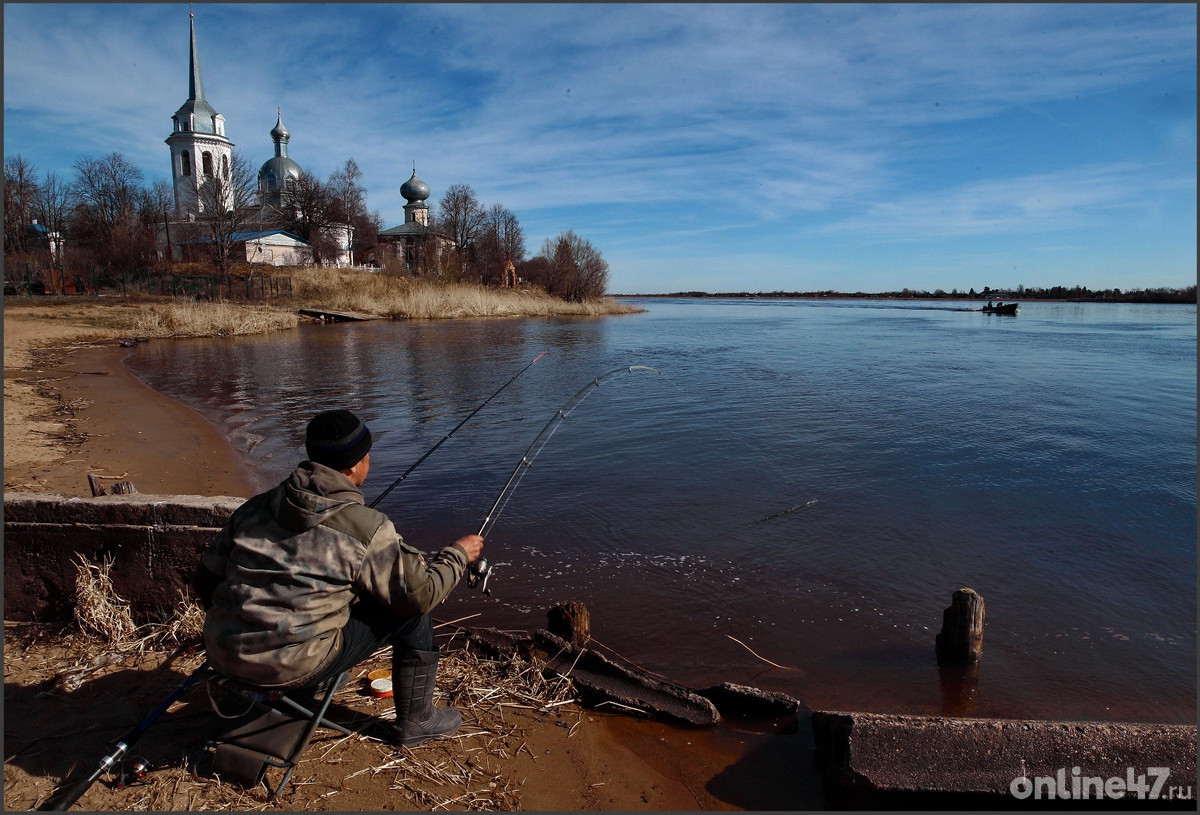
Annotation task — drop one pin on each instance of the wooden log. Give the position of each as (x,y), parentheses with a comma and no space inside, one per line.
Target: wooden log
(960,641)
(123,488)
(95,485)
(571,622)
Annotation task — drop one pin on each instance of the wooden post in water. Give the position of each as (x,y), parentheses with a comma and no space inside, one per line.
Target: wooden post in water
(571,622)
(960,641)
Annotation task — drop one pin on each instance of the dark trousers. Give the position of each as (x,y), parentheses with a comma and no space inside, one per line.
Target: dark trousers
(369,628)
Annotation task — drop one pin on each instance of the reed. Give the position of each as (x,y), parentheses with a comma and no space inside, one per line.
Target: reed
(198,319)
(409,298)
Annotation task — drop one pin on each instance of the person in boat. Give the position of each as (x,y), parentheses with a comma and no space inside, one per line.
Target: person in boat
(989,305)
(304,582)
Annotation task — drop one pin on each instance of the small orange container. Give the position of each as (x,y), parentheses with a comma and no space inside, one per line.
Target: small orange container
(379,683)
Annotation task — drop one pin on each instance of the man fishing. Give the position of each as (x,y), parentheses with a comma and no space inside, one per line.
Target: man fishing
(305,581)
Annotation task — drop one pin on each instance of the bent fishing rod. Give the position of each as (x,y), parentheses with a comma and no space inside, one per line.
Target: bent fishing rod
(429,452)
(480,569)
(68,793)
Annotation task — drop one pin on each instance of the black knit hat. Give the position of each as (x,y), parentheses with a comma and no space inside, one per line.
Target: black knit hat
(337,439)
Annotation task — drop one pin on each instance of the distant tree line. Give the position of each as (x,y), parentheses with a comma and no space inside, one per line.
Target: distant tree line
(108,221)
(1068,293)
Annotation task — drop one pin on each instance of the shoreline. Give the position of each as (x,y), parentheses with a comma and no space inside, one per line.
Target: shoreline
(73,408)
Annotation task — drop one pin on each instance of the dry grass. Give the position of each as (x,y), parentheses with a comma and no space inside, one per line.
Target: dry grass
(99,611)
(470,770)
(103,616)
(401,297)
(198,319)
(185,626)
(140,315)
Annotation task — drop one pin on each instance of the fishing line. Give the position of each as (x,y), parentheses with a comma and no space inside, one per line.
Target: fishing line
(480,568)
(429,452)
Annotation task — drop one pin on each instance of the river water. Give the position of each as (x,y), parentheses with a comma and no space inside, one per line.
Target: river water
(803,482)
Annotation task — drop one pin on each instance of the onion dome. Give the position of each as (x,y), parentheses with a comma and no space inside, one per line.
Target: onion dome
(276,172)
(280,133)
(414,189)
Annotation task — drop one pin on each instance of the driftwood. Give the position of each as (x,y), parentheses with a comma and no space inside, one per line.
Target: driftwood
(119,488)
(599,682)
(603,683)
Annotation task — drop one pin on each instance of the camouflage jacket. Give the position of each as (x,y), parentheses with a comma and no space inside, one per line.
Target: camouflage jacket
(288,564)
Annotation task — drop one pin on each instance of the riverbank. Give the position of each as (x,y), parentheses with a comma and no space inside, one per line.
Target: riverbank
(71,409)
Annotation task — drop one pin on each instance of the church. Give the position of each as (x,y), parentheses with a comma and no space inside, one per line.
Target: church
(201,154)
(415,243)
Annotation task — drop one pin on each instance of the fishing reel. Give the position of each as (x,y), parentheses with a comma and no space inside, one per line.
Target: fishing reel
(132,772)
(477,571)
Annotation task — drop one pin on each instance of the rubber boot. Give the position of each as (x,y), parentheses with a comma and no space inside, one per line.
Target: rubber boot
(414,676)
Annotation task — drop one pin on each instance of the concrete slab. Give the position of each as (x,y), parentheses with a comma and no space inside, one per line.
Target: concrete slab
(1016,759)
(154,541)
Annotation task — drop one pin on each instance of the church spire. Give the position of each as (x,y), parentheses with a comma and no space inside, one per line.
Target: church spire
(196,114)
(196,81)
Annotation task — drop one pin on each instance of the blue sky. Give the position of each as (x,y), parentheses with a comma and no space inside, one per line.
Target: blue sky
(698,147)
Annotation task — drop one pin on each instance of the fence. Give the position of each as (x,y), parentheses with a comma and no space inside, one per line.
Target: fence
(231,287)
(234,287)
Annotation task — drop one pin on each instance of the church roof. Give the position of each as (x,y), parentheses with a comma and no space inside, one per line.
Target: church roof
(238,237)
(410,228)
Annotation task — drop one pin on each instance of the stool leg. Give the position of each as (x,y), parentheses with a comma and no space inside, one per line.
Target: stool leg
(316,718)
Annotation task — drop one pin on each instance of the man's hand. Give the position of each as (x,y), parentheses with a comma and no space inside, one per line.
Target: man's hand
(472,545)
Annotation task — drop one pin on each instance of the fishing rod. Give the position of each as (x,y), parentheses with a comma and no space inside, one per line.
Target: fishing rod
(480,569)
(429,452)
(65,796)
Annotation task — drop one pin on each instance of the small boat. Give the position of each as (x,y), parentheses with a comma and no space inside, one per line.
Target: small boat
(1000,308)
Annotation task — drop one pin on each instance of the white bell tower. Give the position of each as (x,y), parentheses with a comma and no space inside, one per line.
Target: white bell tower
(200,152)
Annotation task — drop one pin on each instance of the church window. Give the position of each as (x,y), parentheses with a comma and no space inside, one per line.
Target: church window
(208,163)
(225,167)
(185,162)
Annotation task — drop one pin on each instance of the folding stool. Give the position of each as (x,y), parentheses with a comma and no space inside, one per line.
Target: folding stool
(277,737)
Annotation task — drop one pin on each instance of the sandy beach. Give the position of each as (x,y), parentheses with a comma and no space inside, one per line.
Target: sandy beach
(72,409)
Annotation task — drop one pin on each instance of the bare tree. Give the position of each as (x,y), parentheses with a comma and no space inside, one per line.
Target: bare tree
(461,217)
(20,195)
(227,199)
(501,241)
(53,209)
(308,205)
(347,196)
(577,271)
(349,202)
(107,217)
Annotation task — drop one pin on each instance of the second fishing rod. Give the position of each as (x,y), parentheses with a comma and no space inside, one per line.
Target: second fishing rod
(480,570)
(430,451)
